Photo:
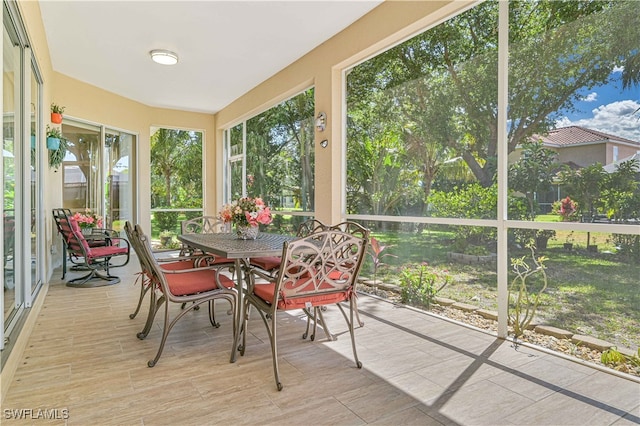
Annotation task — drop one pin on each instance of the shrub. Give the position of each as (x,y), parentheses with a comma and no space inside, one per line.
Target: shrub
(420,283)
(167,221)
(627,245)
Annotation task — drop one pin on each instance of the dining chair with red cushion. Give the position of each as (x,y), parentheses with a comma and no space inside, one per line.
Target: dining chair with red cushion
(319,269)
(191,287)
(146,285)
(204,225)
(271,264)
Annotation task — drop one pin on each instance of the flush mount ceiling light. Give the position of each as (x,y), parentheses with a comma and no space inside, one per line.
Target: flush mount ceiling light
(164,57)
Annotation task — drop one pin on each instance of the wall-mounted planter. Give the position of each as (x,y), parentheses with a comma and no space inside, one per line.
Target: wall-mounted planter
(53,143)
(56,118)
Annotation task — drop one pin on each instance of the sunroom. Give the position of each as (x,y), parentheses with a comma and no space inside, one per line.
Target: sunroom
(466,136)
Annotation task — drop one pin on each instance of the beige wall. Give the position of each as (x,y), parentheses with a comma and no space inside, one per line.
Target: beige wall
(583,155)
(322,68)
(89,103)
(624,151)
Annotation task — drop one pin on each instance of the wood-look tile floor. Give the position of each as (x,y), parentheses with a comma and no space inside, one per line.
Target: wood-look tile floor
(84,362)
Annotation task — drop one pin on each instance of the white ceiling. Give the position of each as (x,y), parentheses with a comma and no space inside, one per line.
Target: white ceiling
(225,47)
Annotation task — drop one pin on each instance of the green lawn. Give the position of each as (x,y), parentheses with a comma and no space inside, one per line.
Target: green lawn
(596,294)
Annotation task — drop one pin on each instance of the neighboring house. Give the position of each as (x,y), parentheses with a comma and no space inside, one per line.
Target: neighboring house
(585,147)
(579,147)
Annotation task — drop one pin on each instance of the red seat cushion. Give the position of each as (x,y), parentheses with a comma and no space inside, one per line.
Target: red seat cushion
(267,263)
(177,265)
(106,251)
(196,282)
(265,292)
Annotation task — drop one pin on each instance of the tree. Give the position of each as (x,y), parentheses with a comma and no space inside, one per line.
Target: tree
(585,186)
(381,177)
(621,191)
(532,173)
(176,161)
(280,152)
(445,82)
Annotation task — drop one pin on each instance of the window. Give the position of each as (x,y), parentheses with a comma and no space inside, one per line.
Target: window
(426,165)
(176,180)
(271,156)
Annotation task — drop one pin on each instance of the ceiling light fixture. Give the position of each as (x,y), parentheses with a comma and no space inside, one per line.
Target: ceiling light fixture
(164,57)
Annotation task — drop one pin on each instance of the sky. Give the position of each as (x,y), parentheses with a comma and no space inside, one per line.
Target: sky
(608,109)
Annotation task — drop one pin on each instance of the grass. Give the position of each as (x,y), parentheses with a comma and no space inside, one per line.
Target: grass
(595,294)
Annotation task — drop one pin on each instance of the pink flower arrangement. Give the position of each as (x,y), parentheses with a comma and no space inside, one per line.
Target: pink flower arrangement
(246,212)
(88,219)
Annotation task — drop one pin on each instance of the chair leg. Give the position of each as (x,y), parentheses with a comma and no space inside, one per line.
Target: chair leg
(169,325)
(64,260)
(349,321)
(154,305)
(323,323)
(144,288)
(212,314)
(274,351)
(83,282)
(316,318)
(269,321)
(355,306)
(165,332)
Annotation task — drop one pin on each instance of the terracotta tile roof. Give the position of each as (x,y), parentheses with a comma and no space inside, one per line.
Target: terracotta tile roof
(574,135)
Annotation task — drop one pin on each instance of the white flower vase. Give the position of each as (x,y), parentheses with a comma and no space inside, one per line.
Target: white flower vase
(247,232)
(87,231)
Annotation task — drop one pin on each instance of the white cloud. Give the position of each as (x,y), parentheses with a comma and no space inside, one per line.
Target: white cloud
(591,97)
(617,118)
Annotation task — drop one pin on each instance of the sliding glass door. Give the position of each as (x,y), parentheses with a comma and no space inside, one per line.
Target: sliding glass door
(99,176)
(22,156)
(120,182)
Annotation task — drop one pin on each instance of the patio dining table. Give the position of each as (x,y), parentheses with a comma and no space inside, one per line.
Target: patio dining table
(241,251)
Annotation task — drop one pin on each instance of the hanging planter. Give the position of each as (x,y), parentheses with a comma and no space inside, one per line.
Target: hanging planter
(57,145)
(53,143)
(56,113)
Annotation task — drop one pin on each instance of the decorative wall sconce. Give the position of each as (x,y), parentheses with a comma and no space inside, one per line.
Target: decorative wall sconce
(324,143)
(321,121)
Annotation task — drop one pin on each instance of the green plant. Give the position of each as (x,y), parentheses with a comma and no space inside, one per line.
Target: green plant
(57,156)
(167,221)
(476,250)
(53,132)
(419,284)
(57,109)
(523,298)
(619,361)
(612,357)
(166,238)
(375,251)
(567,209)
(627,245)
(570,239)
